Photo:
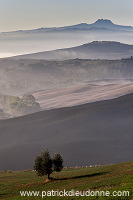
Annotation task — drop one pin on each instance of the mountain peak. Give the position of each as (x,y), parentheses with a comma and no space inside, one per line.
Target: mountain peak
(103,21)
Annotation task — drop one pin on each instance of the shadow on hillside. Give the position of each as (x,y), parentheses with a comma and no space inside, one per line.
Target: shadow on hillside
(82,176)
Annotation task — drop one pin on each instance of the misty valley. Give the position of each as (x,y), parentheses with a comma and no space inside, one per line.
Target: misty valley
(29,76)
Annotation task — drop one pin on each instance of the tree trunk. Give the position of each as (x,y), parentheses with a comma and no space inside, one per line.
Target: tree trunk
(48,176)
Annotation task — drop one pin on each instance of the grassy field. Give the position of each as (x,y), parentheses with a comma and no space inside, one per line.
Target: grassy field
(104,178)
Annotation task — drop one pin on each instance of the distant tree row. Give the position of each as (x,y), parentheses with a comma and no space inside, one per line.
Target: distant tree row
(19,106)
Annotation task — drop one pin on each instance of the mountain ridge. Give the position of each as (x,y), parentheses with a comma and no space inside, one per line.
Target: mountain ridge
(100,23)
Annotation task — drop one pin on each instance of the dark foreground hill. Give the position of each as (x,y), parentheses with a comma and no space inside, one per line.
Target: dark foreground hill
(96,133)
(93,50)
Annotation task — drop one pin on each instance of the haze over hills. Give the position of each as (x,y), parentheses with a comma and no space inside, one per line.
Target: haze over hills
(66,77)
(93,50)
(27,75)
(46,39)
(57,84)
(96,133)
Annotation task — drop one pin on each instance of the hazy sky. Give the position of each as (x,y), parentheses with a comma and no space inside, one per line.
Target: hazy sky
(30,14)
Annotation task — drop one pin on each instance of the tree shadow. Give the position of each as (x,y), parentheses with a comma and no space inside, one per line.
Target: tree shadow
(82,176)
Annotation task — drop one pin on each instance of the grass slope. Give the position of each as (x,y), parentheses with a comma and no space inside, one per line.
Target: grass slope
(118,177)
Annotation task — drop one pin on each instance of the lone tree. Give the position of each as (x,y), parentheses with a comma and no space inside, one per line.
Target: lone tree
(45,165)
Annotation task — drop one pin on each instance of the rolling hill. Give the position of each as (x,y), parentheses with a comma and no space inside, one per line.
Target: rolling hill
(81,94)
(95,133)
(93,50)
(30,75)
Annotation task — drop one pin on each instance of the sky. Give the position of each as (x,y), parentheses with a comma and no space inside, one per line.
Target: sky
(31,14)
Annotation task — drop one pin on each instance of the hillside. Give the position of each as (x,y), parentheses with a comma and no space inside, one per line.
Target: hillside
(93,50)
(100,131)
(103,178)
(29,75)
(81,94)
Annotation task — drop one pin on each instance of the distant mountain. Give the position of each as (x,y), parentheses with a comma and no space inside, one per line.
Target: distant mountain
(47,39)
(93,50)
(99,24)
(100,131)
(105,23)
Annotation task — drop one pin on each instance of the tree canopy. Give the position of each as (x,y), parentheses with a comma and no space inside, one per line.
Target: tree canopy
(45,165)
